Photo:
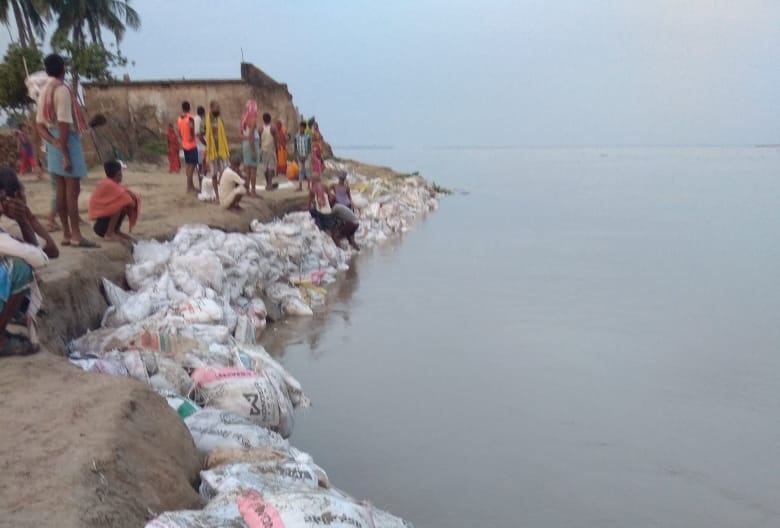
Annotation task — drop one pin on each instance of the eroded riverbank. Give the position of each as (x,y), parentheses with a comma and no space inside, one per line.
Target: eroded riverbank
(74,304)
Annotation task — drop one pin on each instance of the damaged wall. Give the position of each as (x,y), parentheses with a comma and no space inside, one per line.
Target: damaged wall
(146,107)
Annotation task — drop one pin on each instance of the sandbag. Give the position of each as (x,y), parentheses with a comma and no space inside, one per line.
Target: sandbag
(267,476)
(140,274)
(296,307)
(103,340)
(307,508)
(260,397)
(151,251)
(249,328)
(166,344)
(255,357)
(200,311)
(135,308)
(165,374)
(293,509)
(207,333)
(213,428)
(193,519)
(114,367)
(225,457)
(250,322)
(115,296)
(206,268)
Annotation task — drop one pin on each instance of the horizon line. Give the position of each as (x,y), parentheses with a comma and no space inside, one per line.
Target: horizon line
(563,146)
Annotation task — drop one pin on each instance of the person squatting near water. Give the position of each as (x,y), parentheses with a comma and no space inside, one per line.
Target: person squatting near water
(111,202)
(20,298)
(335,219)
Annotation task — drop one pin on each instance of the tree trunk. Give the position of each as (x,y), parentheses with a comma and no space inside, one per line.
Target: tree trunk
(30,32)
(19,23)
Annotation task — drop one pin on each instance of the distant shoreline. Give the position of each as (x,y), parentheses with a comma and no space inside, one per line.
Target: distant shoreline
(513,147)
(364,147)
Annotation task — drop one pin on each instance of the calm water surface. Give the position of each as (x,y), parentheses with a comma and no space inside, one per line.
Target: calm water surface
(590,338)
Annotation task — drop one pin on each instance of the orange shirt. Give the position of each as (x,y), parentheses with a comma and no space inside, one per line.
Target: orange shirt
(185,123)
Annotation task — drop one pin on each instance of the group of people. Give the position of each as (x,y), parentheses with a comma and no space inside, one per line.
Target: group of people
(20,298)
(59,121)
(203,140)
(204,143)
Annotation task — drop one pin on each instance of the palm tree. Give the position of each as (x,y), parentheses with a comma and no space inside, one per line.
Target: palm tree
(80,18)
(30,17)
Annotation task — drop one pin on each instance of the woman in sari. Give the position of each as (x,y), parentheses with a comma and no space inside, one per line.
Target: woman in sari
(281,149)
(174,165)
(250,144)
(317,163)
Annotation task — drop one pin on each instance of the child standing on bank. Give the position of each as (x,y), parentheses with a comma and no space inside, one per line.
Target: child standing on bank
(26,155)
(303,155)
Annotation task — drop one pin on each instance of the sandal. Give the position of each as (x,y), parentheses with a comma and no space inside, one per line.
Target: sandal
(16,345)
(51,227)
(65,243)
(84,243)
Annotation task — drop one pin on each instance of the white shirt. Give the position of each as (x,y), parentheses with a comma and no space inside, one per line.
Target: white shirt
(198,124)
(63,106)
(228,182)
(267,139)
(10,247)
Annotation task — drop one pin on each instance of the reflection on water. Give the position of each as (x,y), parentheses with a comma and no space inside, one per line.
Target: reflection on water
(308,331)
(589,339)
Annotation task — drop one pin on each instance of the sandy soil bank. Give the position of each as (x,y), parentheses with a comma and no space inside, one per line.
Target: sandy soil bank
(88,450)
(73,300)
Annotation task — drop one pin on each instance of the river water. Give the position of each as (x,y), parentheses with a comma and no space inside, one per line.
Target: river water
(589,338)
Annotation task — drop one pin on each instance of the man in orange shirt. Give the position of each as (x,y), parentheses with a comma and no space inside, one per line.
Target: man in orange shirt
(186,126)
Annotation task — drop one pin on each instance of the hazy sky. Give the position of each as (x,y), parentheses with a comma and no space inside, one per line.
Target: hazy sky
(508,72)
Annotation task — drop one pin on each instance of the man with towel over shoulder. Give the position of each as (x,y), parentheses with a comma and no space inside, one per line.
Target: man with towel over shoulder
(217,150)
(60,122)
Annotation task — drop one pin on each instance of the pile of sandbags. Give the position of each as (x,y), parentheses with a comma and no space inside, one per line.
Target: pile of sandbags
(190,329)
(250,508)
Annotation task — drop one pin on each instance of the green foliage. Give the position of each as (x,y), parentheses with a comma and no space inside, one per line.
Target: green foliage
(152,149)
(13,92)
(87,18)
(89,61)
(29,17)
